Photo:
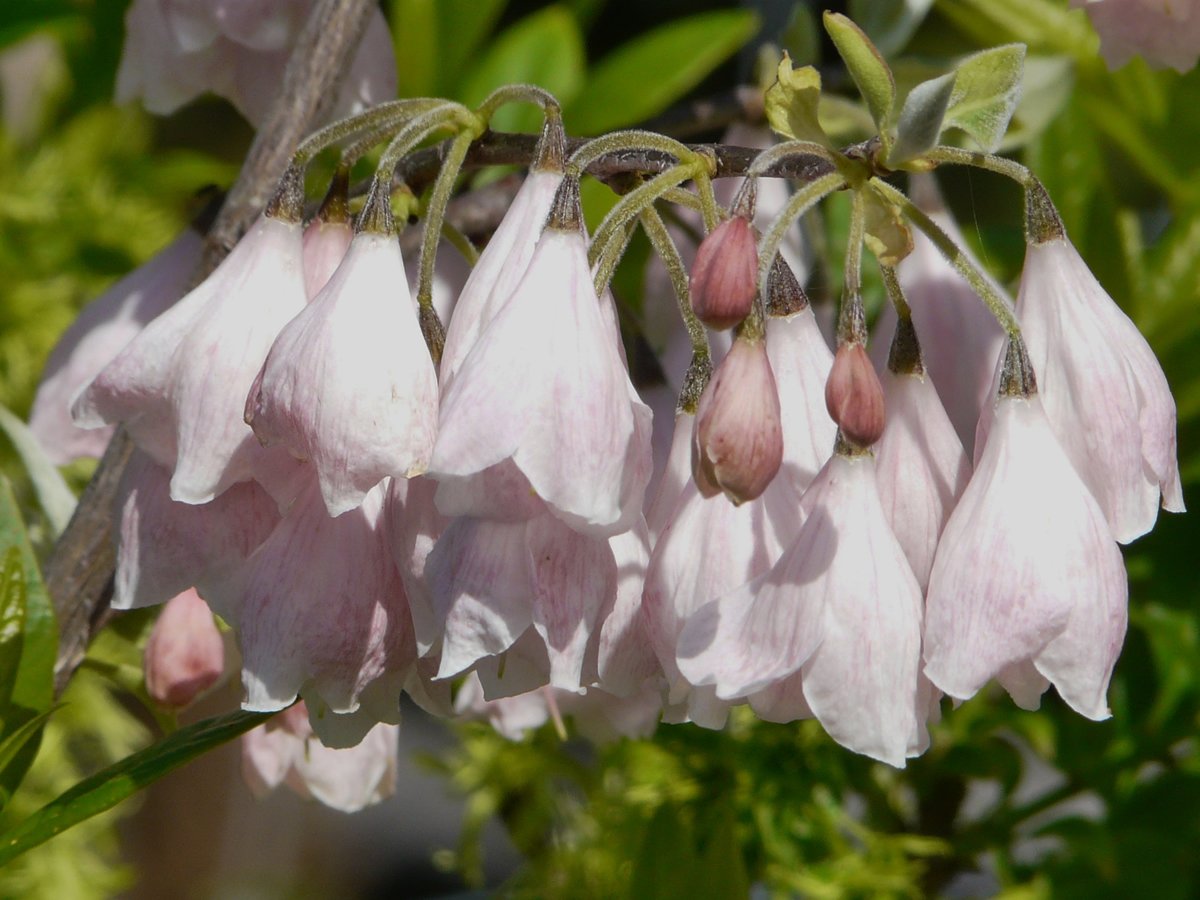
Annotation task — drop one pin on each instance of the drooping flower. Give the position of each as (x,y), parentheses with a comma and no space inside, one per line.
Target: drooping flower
(841,607)
(180,386)
(320,606)
(545,387)
(1163,32)
(349,383)
(708,548)
(325,243)
(921,465)
(504,260)
(284,750)
(165,547)
(1101,386)
(737,444)
(184,655)
(100,332)
(1028,586)
(175,50)
(961,340)
(537,588)
(801,362)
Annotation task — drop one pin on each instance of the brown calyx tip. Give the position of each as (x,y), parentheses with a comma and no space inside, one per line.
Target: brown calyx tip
(1017,378)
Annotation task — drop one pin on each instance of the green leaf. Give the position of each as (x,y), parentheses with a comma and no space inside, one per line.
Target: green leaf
(792,103)
(56,499)
(16,741)
(645,76)
(889,23)
(33,683)
(12,625)
(462,26)
(868,69)
(921,118)
(109,787)
(987,86)
(545,49)
(886,233)
(415,35)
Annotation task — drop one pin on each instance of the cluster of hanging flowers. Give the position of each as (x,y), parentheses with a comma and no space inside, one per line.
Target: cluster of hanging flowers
(377,506)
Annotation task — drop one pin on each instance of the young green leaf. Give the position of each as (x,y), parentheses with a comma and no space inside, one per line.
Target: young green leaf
(987,86)
(15,742)
(33,681)
(921,118)
(792,101)
(12,625)
(645,76)
(868,69)
(886,233)
(56,499)
(109,787)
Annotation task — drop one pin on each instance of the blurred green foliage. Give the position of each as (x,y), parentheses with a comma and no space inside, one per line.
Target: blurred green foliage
(1042,804)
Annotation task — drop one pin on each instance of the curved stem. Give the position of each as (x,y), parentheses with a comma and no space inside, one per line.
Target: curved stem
(606,264)
(989,161)
(800,203)
(444,115)
(682,197)
(774,154)
(515,93)
(708,201)
(373,118)
(628,140)
(352,153)
(660,240)
(629,206)
(854,246)
(957,257)
(435,213)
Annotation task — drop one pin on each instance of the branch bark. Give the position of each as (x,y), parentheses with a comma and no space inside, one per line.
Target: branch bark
(79,573)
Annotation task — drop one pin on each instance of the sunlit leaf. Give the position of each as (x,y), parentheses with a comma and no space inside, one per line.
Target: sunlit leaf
(987,86)
(792,103)
(867,67)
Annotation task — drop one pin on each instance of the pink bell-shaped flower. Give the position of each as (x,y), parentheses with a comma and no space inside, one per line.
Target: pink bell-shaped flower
(284,750)
(1028,586)
(327,237)
(185,655)
(708,548)
(625,660)
(738,439)
(961,339)
(165,547)
(801,361)
(504,260)
(180,386)
(1101,387)
(921,465)
(349,383)
(102,330)
(1164,34)
(175,50)
(320,606)
(539,584)
(545,387)
(841,607)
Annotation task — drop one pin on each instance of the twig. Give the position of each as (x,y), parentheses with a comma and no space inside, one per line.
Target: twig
(79,573)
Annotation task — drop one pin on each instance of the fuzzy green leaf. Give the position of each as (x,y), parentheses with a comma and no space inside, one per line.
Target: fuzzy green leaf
(987,86)
(109,787)
(645,76)
(792,102)
(868,69)
(921,118)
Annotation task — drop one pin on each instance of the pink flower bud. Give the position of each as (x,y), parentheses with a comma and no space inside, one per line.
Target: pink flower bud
(725,274)
(854,396)
(737,446)
(184,655)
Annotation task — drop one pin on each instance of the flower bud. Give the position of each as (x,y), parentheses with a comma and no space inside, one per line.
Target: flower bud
(854,396)
(184,654)
(725,274)
(737,446)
